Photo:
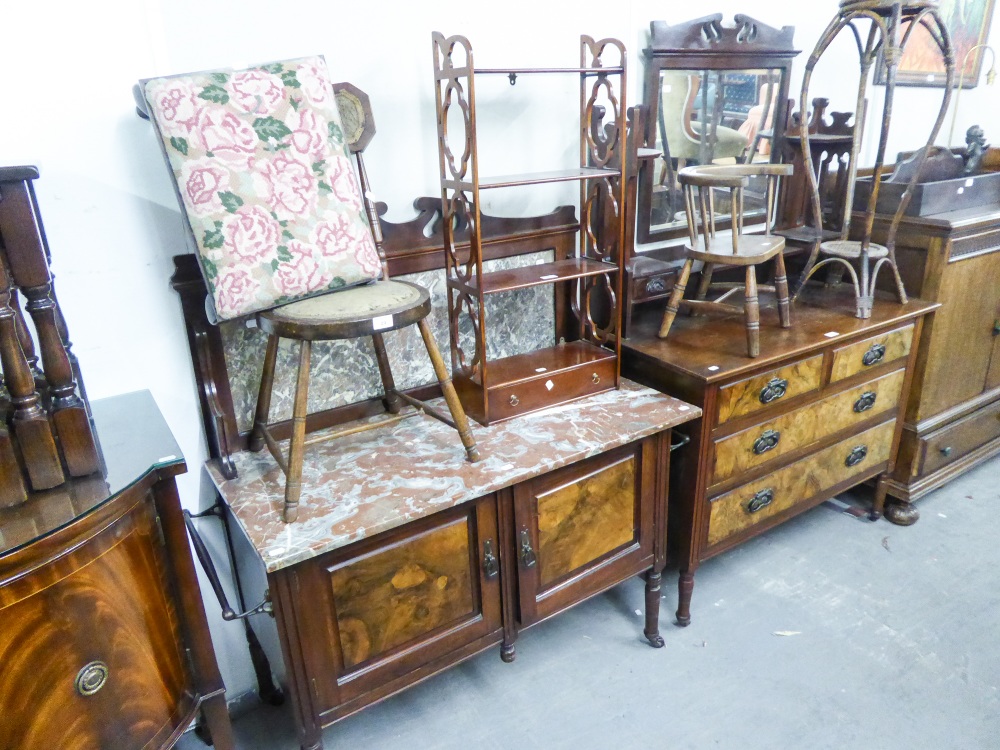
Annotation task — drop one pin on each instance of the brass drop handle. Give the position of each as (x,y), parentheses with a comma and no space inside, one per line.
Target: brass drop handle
(596,378)
(856,456)
(514,400)
(91,678)
(528,558)
(760,501)
(768,440)
(874,355)
(490,566)
(775,389)
(656,285)
(946,451)
(865,402)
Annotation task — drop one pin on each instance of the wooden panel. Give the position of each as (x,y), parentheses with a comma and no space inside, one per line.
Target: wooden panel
(951,443)
(748,396)
(396,595)
(959,336)
(796,484)
(107,607)
(805,425)
(851,359)
(583,520)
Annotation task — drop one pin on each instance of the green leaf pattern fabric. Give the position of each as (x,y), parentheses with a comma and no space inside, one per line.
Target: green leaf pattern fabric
(265,179)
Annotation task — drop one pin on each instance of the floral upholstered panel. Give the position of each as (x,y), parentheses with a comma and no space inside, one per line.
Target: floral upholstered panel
(266,181)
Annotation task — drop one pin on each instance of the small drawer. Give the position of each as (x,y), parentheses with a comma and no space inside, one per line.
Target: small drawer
(769,440)
(773,387)
(653,287)
(535,393)
(941,447)
(798,483)
(877,350)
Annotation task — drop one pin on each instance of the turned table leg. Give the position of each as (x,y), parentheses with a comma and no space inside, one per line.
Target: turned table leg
(652,629)
(685,585)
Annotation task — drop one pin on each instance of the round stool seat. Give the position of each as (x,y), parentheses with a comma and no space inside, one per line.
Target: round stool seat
(852,249)
(358,311)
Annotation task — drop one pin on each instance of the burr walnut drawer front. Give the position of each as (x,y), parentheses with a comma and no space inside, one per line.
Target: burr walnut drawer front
(772,387)
(950,443)
(803,426)
(862,355)
(799,482)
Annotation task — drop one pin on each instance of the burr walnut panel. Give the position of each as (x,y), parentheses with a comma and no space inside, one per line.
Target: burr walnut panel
(751,395)
(801,427)
(400,593)
(871,352)
(797,483)
(583,520)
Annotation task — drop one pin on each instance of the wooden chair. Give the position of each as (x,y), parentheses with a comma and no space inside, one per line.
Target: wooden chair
(282,115)
(748,250)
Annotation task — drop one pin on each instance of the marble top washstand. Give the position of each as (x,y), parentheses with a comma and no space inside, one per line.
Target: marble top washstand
(368,483)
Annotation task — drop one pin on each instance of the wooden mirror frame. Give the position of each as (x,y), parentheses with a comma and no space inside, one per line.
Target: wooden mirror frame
(705,44)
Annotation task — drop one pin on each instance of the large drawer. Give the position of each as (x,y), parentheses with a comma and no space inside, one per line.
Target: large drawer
(798,482)
(769,440)
(950,443)
(759,392)
(877,350)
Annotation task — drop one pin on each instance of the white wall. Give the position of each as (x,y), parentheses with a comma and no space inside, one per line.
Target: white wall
(68,68)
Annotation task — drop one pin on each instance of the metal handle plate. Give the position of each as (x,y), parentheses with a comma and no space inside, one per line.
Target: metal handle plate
(656,286)
(760,501)
(874,355)
(490,566)
(865,402)
(768,440)
(91,678)
(528,558)
(775,389)
(856,456)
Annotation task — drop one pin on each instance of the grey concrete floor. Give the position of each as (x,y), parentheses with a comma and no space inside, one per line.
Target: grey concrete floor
(828,632)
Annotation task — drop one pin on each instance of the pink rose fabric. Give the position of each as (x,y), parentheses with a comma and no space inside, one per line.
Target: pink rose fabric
(266,182)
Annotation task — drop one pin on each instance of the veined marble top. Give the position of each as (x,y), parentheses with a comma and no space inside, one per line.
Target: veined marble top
(361,485)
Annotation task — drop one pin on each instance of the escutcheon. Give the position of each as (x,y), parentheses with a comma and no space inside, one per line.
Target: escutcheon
(91,678)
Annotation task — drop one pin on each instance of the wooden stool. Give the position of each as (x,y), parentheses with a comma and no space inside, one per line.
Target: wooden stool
(747,250)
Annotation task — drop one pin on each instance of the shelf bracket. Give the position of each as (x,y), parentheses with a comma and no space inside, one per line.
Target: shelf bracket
(512,77)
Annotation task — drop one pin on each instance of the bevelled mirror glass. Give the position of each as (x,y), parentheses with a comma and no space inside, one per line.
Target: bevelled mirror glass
(716,94)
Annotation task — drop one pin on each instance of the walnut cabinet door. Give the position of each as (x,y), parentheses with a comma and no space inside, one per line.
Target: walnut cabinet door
(583,528)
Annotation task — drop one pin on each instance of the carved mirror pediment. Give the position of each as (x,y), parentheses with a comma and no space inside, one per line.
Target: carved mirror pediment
(715,93)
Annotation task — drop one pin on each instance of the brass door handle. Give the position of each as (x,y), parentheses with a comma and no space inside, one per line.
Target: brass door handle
(490,566)
(775,389)
(514,400)
(528,558)
(760,501)
(768,440)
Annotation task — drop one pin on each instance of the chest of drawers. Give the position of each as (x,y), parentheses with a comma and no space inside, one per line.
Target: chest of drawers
(815,414)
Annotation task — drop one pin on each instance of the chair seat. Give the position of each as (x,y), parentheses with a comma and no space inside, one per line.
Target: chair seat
(751,250)
(358,311)
(852,249)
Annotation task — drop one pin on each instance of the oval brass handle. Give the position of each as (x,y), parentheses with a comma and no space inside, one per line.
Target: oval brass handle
(760,501)
(775,389)
(767,441)
(946,451)
(514,400)
(490,566)
(856,456)
(874,355)
(865,402)
(596,378)
(91,678)
(527,554)
(655,286)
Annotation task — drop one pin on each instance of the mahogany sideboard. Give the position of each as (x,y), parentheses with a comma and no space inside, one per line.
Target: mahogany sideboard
(817,412)
(952,420)
(104,642)
(407,559)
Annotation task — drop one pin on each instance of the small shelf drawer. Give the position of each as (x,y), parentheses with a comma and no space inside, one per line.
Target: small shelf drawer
(871,352)
(769,388)
(950,443)
(798,483)
(769,440)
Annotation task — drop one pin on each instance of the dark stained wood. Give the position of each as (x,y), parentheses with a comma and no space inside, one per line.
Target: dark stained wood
(12,489)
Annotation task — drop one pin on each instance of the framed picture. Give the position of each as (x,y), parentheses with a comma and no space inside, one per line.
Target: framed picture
(968,22)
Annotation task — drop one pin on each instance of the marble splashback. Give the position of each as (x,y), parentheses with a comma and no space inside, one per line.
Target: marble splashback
(344,372)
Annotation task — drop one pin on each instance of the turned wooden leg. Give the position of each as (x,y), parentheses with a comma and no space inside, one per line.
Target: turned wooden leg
(674,302)
(781,291)
(393,403)
(706,280)
(878,505)
(751,310)
(448,389)
(685,585)
(652,629)
(296,447)
(263,410)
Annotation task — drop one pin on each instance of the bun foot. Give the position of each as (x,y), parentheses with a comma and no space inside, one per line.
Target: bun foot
(655,640)
(902,514)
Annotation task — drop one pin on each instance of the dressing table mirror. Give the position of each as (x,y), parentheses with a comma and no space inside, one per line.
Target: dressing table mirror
(717,93)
